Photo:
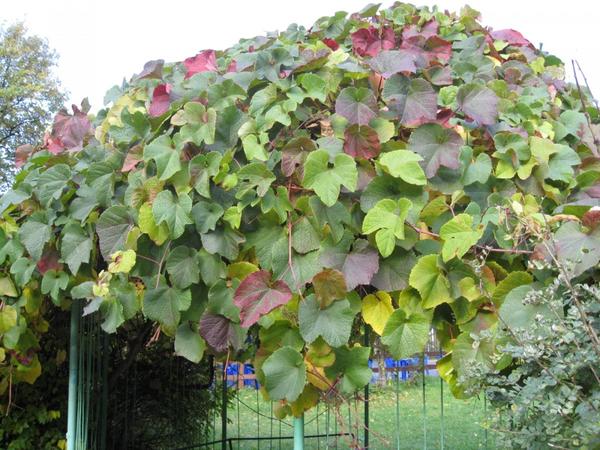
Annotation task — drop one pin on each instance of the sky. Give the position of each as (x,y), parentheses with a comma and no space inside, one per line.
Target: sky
(100,42)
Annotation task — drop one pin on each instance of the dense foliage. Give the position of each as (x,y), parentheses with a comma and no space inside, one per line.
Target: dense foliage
(30,94)
(551,397)
(395,168)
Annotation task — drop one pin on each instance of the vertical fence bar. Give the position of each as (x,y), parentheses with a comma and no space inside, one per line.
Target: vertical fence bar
(224,410)
(366,418)
(73,360)
(299,433)
(424,405)
(441,410)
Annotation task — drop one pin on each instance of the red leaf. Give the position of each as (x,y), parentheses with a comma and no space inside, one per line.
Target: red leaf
(428,30)
(331,43)
(361,142)
(68,131)
(591,218)
(161,100)
(22,153)
(205,61)
(257,296)
(368,42)
(134,156)
(232,67)
(513,37)
(49,261)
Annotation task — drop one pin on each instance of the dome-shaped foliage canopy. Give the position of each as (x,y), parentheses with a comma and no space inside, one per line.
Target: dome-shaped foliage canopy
(402,168)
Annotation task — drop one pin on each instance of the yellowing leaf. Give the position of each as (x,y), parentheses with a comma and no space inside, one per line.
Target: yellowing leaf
(122,261)
(377,309)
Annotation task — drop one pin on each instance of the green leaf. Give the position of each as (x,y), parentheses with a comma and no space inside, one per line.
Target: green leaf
(326,181)
(352,364)
(459,236)
(518,314)
(253,149)
(376,310)
(285,374)
(387,218)
(198,124)
(304,237)
(53,282)
(112,228)
(21,270)
(406,334)
(333,323)
(164,305)
(34,234)
(256,178)
(201,168)
(223,241)
(182,266)
(427,278)
(7,288)
(112,312)
(206,215)
(189,344)
(512,281)
(477,171)
(51,183)
(404,164)
(75,247)
(174,212)
(8,318)
(315,86)
(394,271)
(167,159)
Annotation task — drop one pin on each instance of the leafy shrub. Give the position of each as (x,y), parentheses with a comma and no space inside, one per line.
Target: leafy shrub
(395,168)
(549,397)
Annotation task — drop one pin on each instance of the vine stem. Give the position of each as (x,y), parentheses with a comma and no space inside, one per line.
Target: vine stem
(486,248)
(587,116)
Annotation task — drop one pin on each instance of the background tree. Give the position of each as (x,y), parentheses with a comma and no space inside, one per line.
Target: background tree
(30,93)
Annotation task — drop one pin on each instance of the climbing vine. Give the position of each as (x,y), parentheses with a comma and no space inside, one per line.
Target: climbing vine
(404,169)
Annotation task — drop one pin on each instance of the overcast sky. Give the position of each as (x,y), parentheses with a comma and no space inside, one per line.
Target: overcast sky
(100,42)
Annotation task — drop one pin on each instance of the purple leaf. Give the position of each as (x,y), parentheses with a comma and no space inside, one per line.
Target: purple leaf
(205,61)
(478,102)
(257,296)
(437,145)
(414,100)
(152,69)
(219,332)
(161,100)
(369,42)
(358,266)
(390,62)
(361,142)
(358,105)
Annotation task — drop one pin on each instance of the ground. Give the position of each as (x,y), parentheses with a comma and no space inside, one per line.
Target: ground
(463,421)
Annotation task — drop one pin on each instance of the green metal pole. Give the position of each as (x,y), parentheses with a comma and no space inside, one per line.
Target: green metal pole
(299,433)
(73,375)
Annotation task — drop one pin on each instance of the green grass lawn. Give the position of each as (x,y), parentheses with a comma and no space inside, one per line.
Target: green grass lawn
(390,427)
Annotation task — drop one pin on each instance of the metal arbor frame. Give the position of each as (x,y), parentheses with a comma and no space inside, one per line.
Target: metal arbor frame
(88,403)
